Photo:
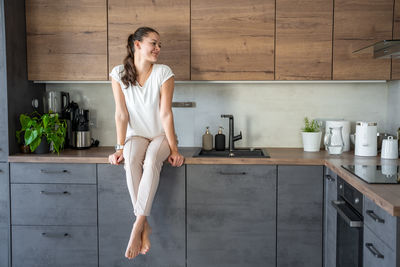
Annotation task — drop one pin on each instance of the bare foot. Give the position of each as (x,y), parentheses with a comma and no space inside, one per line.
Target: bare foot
(135,242)
(146,238)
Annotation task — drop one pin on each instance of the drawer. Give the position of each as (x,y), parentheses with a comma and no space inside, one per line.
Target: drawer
(380,222)
(53,204)
(4,195)
(38,246)
(53,173)
(375,252)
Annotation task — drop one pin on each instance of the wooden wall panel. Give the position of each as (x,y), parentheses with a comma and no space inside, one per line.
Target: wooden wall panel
(171,18)
(358,23)
(303,40)
(396,35)
(232,39)
(66,40)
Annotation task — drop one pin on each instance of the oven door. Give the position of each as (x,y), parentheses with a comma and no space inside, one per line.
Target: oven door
(349,243)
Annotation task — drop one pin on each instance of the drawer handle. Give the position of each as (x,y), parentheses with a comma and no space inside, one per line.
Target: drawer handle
(55,193)
(55,234)
(53,172)
(232,173)
(375,217)
(374,251)
(330,178)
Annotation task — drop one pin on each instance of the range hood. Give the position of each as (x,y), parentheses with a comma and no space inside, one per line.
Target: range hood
(382,49)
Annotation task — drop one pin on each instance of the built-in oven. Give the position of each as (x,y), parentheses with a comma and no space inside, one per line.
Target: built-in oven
(349,242)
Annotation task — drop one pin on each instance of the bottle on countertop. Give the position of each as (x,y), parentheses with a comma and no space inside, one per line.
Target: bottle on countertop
(220,140)
(207,140)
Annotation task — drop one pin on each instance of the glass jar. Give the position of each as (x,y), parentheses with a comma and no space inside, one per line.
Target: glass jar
(334,140)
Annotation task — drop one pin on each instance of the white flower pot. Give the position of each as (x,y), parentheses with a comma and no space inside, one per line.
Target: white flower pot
(311,141)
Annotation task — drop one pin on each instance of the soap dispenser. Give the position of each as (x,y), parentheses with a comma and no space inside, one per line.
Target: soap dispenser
(207,140)
(220,140)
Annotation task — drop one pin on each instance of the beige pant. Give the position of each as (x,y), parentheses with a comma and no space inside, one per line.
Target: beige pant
(143,161)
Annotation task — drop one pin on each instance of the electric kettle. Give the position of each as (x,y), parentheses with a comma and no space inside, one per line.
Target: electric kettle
(366,141)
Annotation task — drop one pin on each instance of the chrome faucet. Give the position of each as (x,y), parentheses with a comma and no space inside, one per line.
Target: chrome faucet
(232,137)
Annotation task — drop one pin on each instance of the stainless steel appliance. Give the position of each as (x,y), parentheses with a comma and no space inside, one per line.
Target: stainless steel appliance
(376,174)
(56,102)
(81,137)
(349,242)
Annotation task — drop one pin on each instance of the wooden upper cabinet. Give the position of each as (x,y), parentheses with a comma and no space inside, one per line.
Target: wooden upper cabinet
(396,35)
(66,40)
(359,23)
(303,40)
(232,39)
(171,18)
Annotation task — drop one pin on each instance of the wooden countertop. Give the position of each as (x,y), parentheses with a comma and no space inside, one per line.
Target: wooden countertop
(385,196)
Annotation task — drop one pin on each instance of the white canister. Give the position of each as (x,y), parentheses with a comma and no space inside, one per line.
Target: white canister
(345,131)
(390,148)
(366,141)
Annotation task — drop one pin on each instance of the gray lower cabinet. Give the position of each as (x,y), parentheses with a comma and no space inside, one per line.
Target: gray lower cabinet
(299,219)
(4,244)
(4,195)
(61,246)
(231,215)
(116,217)
(330,218)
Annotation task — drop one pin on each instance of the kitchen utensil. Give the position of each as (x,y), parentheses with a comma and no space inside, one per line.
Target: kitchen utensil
(334,141)
(345,131)
(366,141)
(56,102)
(390,148)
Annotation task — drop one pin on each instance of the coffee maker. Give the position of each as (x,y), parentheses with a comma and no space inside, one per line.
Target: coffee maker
(81,137)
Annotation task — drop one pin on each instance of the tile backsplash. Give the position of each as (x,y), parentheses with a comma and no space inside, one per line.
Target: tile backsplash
(268,114)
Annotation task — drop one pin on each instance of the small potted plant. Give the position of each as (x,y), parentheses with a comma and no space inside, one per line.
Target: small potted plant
(42,130)
(311,133)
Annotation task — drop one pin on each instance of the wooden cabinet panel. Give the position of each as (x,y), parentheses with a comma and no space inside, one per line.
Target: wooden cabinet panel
(303,40)
(232,40)
(357,24)
(171,18)
(396,35)
(66,40)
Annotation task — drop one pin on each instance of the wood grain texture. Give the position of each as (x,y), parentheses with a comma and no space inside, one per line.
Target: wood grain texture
(66,40)
(396,35)
(232,40)
(359,23)
(171,18)
(303,40)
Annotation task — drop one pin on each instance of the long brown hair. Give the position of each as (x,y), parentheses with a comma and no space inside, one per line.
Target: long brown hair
(130,75)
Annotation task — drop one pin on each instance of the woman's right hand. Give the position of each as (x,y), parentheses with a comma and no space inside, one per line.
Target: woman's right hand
(116,158)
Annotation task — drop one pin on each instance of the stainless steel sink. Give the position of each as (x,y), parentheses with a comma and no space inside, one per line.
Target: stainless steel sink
(237,153)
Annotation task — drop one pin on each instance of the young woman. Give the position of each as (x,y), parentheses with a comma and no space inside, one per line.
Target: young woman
(145,127)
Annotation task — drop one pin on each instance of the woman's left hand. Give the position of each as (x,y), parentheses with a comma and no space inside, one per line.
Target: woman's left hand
(176,159)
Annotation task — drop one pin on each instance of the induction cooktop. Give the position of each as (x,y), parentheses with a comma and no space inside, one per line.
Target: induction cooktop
(375,174)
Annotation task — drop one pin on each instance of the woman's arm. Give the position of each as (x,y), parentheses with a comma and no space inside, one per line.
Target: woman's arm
(121,121)
(167,119)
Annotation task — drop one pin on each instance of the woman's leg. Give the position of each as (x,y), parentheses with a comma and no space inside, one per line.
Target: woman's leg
(134,153)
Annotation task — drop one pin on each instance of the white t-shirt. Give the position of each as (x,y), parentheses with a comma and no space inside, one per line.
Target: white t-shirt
(143,102)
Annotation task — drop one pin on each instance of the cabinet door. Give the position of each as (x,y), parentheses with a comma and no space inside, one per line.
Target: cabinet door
(3,89)
(4,196)
(375,252)
(116,218)
(66,40)
(299,222)
(4,243)
(396,35)
(303,40)
(171,18)
(357,24)
(330,219)
(232,40)
(231,212)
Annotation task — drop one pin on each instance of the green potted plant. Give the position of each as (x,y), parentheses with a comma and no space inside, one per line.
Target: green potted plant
(42,130)
(311,134)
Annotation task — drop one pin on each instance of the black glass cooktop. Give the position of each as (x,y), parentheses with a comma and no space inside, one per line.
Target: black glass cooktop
(375,174)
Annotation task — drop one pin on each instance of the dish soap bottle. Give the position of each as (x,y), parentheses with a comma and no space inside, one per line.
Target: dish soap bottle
(220,140)
(207,140)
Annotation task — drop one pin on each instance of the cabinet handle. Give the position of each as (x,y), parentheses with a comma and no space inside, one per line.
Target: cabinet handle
(55,234)
(232,173)
(374,251)
(375,217)
(53,172)
(55,193)
(329,178)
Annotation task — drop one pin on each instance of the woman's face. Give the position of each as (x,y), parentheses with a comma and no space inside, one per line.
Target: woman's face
(150,47)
